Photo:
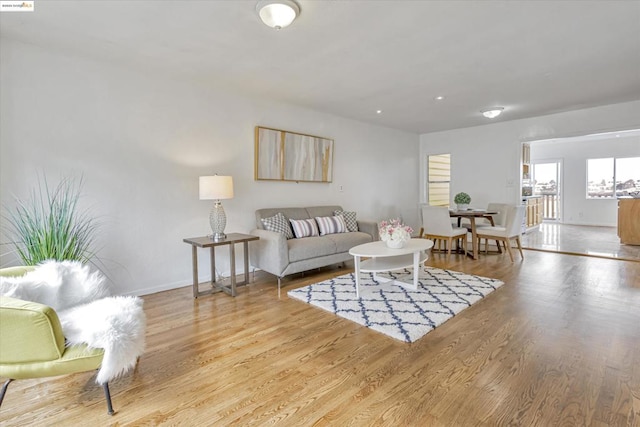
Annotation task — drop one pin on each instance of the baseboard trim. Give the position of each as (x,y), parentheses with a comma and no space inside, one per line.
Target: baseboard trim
(586,224)
(185,283)
(159,288)
(582,254)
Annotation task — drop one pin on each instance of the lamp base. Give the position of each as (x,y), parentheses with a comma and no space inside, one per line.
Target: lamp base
(218,221)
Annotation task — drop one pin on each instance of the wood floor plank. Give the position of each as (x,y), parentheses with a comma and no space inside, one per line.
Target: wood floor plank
(556,345)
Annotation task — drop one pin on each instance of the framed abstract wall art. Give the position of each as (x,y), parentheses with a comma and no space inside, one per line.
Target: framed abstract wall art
(281,155)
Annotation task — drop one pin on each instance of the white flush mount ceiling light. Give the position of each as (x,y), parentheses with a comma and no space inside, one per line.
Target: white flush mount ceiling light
(492,113)
(277,13)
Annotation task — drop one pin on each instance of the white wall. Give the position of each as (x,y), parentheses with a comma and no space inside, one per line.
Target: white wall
(576,208)
(141,140)
(486,159)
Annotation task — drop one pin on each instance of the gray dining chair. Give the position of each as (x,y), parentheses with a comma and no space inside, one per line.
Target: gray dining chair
(511,230)
(499,219)
(436,225)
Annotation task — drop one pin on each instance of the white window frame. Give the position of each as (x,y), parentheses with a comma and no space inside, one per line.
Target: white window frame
(614,191)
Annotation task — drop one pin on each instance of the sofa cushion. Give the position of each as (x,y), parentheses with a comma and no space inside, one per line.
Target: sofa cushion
(304,228)
(331,225)
(279,224)
(310,247)
(345,241)
(349,219)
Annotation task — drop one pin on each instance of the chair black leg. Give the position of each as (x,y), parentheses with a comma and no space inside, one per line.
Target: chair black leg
(107,395)
(4,390)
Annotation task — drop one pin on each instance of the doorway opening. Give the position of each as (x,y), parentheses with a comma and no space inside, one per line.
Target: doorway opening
(548,184)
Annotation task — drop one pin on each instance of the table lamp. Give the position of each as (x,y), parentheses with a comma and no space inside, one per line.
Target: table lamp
(216,188)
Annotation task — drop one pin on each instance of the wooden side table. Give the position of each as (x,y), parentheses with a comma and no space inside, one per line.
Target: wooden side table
(208,242)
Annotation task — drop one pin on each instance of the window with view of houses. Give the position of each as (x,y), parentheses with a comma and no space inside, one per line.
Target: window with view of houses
(613,177)
(439,179)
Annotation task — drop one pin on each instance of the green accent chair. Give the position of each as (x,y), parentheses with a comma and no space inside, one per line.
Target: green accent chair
(32,344)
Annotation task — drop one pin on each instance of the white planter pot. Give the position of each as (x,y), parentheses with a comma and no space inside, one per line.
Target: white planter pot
(462,207)
(396,244)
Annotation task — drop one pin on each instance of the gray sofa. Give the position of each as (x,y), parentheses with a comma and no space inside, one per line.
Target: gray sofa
(275,254)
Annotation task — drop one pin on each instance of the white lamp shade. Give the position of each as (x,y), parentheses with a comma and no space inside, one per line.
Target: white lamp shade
(216,187)
(277,13)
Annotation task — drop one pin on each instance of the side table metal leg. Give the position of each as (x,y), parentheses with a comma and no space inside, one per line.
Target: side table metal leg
(194,263)
(232,272)
(213,265)
(245,248)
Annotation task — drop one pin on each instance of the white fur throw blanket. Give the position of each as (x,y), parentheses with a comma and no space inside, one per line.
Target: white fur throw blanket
(87,312)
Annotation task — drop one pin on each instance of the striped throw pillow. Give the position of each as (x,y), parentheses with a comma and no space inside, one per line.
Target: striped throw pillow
(331,225)
(279,224)
(304,227)
(349,219)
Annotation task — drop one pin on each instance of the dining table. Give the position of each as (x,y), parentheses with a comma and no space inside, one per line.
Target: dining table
(471,215)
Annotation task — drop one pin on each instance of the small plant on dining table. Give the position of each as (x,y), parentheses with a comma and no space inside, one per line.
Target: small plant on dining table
(462,199)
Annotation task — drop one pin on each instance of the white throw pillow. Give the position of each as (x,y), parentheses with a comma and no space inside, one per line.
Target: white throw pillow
(304,228)
(331,225)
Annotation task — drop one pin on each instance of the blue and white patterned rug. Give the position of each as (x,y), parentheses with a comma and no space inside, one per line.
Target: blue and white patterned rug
(396,311)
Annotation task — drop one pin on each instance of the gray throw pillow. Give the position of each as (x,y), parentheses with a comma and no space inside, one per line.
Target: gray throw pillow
(349,219)
(279,224)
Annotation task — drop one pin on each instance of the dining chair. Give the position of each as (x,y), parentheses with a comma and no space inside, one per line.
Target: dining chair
(499,219)
(436,224)
(511,230)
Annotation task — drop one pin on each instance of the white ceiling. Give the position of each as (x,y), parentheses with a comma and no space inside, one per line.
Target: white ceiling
(351,58)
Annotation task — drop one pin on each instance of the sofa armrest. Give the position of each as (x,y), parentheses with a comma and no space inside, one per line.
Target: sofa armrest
(369,227)
(270,253)
(16,271)
(29,332)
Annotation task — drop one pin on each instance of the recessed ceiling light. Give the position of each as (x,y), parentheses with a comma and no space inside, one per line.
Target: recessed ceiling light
(378,111)
(492,113)
(439,98)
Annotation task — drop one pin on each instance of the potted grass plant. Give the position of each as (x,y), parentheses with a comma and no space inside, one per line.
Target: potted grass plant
(49,225)
(462,201)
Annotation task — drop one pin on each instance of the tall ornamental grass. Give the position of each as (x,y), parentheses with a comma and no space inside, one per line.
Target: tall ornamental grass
(48,225)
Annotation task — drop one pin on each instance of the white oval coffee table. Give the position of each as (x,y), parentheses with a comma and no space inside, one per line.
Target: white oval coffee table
(382,258)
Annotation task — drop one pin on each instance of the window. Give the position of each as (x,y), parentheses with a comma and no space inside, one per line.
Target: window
(603,173)
(439,178)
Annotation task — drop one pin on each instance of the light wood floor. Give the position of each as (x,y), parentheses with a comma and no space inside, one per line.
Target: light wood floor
(558,344)
(580,239)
